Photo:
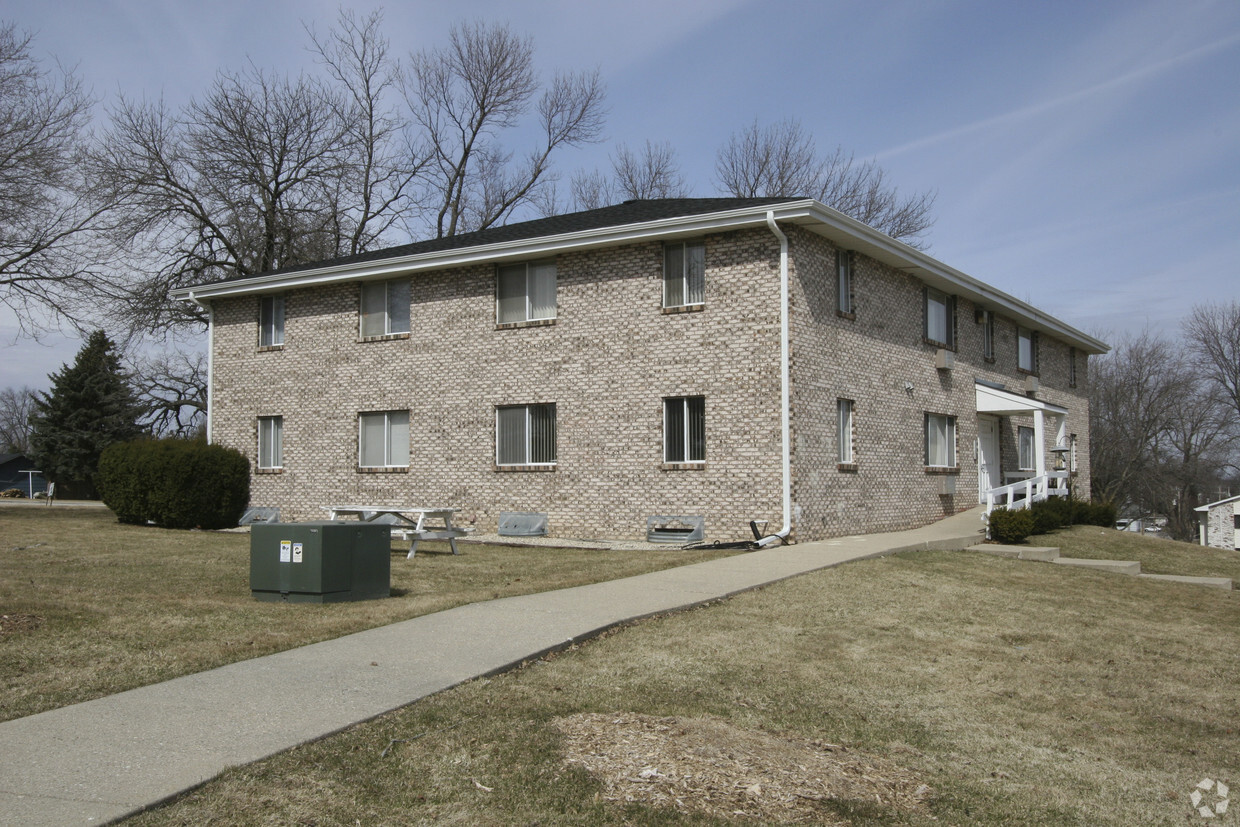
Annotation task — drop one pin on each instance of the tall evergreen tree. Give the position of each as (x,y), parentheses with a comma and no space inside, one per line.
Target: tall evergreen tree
(91,406)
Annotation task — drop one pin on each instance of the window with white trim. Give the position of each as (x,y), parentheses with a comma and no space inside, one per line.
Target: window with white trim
(940,318)
(1025,448)
(525,435)
(843,281)
(684,429)
(383,439)
(684,273)
(385,307)
(1027,350)
(940,441)
(844,425)
(271,442)
(1072,461)
(525,292)
(271,321)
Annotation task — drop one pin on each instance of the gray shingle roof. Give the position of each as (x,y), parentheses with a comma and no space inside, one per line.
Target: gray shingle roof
(630,212)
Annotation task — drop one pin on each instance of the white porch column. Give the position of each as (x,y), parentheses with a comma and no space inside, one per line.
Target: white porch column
(1039,443)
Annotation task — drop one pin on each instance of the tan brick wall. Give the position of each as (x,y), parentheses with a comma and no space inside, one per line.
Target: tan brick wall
(871,359)
(607,363)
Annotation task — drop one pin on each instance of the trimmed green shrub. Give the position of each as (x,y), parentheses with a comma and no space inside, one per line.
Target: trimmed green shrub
(120,482)
(175,483)
(1010,526)
(1050,514)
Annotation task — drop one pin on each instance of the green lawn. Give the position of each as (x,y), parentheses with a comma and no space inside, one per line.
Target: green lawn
(925,688)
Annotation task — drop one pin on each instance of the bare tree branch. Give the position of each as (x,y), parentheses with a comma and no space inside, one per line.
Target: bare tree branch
(1160,433)
(50,214)
(1213,333)
(260,173)
(651,173)
(782,160)
(464,97)
(387,162)
(16,406)
(173,389)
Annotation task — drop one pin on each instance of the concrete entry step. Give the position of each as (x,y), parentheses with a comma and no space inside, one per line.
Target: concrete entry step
(1117,566)
(1044,554)
(1210,582)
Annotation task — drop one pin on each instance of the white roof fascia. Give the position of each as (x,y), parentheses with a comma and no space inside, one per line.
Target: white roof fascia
(501,251)
(1208,506)
(807,212)
(993,400)
(855,235)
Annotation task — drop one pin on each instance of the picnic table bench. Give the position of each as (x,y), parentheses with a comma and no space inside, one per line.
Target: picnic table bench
(405,521)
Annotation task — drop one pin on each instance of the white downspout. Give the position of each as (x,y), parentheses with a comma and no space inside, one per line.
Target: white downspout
(785,428)
(210,308)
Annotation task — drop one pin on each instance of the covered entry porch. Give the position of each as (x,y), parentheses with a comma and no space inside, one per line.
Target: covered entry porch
(994,403)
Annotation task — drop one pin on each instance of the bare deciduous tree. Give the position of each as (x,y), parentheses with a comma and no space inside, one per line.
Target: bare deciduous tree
(49,262)
(1133,390)
(172,387)
(589,191)
(650,173)
(1213,333)
(1191,453)
(386,161)
(1160,432)
(465,97)
(261,172)
(782,160)
(16,406)
(240,182)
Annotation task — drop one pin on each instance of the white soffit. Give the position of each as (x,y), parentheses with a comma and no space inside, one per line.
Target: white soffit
(994,401)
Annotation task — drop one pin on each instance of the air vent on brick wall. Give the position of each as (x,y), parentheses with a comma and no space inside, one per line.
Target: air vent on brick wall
(675,529)
(522,524)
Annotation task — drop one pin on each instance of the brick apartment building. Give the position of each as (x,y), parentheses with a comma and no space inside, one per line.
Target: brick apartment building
(723,359)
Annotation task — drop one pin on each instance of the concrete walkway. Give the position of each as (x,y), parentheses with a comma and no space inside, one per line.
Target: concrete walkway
(94,762)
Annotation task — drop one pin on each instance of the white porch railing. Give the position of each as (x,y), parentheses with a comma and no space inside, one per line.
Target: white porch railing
(1026,492)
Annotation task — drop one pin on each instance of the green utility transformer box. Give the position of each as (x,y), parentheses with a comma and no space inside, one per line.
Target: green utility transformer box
(320,562)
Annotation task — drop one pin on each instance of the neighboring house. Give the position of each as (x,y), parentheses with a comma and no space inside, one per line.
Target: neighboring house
(724,359)
(1219,523)
(12,468)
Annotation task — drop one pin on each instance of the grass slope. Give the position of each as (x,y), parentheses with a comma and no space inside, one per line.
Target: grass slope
(1018,693)
(89,607)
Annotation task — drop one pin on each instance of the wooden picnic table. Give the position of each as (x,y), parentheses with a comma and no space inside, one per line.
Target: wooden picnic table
(411,521)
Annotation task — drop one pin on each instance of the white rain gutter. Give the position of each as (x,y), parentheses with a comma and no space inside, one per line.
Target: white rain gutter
(785,428)
(210,308)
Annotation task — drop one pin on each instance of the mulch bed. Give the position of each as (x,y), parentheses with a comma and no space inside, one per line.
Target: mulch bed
(711,766)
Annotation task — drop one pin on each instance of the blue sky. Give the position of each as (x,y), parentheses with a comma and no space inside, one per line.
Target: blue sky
(1086,156)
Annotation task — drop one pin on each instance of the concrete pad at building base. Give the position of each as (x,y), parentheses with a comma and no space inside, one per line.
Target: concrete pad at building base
(1115,566)
(1209,582)
(1042,554)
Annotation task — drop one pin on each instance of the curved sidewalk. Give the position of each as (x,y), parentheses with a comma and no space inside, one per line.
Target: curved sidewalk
(98,761)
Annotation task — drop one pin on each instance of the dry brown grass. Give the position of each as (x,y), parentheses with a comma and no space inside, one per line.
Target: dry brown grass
(1157,555)
(89,607)
(1019,693)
